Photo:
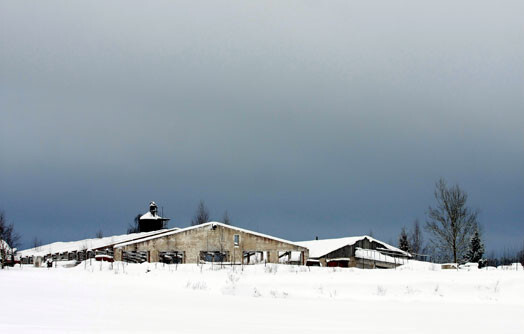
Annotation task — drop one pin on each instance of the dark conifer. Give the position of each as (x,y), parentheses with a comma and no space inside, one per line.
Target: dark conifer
(403,242)
(476,248)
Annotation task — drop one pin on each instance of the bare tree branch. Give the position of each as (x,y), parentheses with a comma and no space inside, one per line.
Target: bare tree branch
(201,215)
(9,238)
(416,239)
(226,219)
(451,223)
(135,227)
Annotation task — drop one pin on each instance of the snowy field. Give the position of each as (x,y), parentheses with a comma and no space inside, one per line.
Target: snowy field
(144,298)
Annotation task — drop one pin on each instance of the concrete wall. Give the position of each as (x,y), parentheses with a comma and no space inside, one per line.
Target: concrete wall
(206,238)
(371,264)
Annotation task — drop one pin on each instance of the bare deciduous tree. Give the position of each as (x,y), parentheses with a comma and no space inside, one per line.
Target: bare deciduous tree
(451,223)
(520,255)
(8,233)
(416,239)
(9,238)
(201,215)
(135,227)
(99,234)
(226,219)
(36,243)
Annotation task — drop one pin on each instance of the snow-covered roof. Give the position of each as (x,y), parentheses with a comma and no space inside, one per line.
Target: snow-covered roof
(149,215)
(170,232)
(86,244)
(319,248)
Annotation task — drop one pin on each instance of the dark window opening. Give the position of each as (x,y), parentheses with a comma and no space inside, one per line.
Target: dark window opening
(134,257)
(171,257)
(236,239)
(213,256)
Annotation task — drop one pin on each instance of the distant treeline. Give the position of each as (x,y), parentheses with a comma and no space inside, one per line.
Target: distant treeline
(506,257)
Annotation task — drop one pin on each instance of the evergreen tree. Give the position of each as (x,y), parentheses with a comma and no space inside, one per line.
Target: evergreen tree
(476,248)
(403,242)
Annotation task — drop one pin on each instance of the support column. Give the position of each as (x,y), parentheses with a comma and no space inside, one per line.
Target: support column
(153,256)
(237,255)
(117,254)
(273,256)
(306,256)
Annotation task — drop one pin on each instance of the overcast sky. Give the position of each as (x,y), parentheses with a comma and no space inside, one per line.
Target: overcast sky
(301,118)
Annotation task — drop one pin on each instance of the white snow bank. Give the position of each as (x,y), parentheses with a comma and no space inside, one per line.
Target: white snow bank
(513,266)
(120,297)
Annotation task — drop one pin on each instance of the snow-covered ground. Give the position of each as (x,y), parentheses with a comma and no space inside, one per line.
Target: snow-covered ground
(418,298)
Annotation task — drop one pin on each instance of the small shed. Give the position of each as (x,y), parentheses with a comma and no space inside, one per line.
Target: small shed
(361,251)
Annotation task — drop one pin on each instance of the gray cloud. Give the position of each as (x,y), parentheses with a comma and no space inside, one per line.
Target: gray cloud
(300,118)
